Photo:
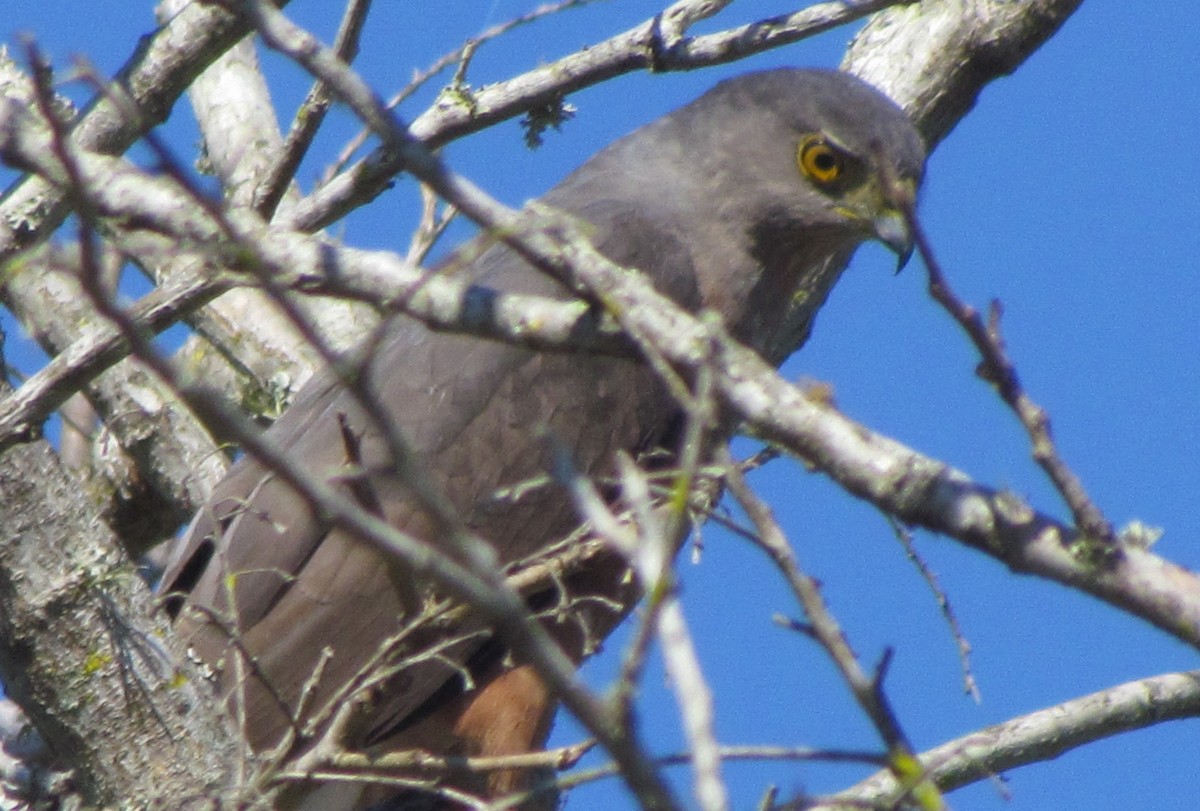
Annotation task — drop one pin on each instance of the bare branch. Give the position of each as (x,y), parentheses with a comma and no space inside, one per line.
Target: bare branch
(735,753)
(868,689)
(936,56)
(650,549)
(970,687)
(998,370)
(1041,735)
(692,693)
(639,48)
(458,55)
(309,118)
(163,67)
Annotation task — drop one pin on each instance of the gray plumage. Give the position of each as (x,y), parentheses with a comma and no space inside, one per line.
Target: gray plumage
(709,202)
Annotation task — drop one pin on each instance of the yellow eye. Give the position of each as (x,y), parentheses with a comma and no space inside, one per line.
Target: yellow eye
(820,161)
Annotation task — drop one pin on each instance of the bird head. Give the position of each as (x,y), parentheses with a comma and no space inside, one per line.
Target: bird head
(775,178)
(838,154)
(863,190)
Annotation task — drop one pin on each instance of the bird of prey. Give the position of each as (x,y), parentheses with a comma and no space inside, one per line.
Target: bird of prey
(740,203)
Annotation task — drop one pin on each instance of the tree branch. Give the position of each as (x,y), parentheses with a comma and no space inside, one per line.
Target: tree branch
(1039,736)
(641,47)
(83,650)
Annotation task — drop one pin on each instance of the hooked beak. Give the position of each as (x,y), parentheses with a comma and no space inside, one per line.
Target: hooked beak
(878,209)
(891,228)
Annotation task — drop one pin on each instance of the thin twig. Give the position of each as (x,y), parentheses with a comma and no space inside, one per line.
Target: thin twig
(997,369)
(867,688)
(310,116)
(655,551)
(456,56)
(735,753)
(430,228)
(649,550)
(970,687)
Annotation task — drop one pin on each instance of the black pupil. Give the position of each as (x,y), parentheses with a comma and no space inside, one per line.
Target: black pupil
(825,161)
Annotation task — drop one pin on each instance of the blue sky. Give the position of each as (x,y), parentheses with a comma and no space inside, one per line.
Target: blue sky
(1072,194)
